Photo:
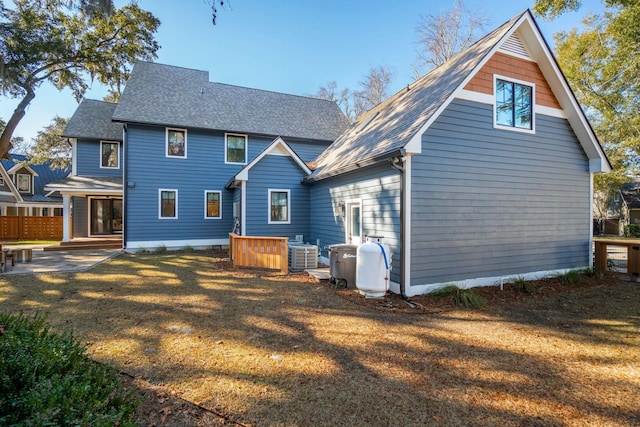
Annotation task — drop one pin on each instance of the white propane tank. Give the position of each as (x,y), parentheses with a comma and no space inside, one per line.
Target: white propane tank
(372,269)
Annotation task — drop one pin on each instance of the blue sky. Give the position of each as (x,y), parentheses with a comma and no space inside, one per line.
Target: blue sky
(288,46)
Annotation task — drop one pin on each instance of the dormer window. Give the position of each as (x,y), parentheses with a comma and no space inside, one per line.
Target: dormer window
(23,182)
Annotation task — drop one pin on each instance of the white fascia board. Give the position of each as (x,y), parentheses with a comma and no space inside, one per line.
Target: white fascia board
(9,183)
(19,166)
(277,147)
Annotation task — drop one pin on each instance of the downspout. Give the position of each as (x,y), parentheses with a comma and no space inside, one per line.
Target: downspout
(398,164)
(124,185)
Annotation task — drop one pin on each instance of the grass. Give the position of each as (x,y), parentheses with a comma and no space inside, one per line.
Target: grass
(467,298)
(273,350)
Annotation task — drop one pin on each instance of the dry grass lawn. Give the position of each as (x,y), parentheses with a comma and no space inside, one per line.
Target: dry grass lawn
(270,350)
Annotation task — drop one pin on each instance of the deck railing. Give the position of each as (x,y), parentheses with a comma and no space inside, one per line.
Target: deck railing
(259,252)
(31,227)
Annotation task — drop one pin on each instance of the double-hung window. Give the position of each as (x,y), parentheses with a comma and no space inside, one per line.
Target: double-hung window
(514,105)
(279,207)
(167,204)
(23,182)
(235,148)
(212,204)
(109,155)
(176,143)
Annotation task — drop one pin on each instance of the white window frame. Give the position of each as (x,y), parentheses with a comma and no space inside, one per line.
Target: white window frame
(166,145)
(206,192)
(117,155)
(497,77)
(226,146)
(278,190)
(29,179)
(160,190)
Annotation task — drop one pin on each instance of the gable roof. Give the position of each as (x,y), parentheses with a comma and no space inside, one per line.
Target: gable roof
(92,120)
(181,97)
(43,175)
(397,124)
(277,147)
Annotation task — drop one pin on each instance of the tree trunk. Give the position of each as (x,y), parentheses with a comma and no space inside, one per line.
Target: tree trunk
(18,114)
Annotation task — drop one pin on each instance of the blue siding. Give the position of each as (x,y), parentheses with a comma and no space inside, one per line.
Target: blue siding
(488,202)
(308,151)
(379,190)
(283,173)
(88,160)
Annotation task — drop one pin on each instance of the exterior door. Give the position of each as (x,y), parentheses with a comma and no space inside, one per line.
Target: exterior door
(354,223)
(106,217)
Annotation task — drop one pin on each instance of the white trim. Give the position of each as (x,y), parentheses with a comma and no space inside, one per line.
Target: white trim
(243,208)
(407,223)
(66,218)
(166,143)
(532,130)
(246,148)
(590,219)
(19,166)
(550,111)
(273,149)
(160,190)
(132,246)
(347,218)
(74,156)
(483,98)
(278,190)
(219,204)
(487,281)
(117,154)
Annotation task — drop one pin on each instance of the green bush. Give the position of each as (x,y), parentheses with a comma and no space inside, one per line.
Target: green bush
(461,297)
(46,379)
(571,277)
(632,230)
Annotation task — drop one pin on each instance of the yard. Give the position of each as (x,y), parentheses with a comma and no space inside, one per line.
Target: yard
(253,348)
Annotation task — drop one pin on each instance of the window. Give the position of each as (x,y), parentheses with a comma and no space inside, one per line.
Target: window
(279,207)
(514,105)
(212,205)
(109,155)
(168,204)
(176,142)
(1,181)
(235,148)
(24,183)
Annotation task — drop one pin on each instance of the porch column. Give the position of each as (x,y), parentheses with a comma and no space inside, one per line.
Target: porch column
(66,218)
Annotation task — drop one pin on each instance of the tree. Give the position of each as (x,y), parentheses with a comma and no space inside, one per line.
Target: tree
(441,37)
(52,41)
(602,64)
(50,146)
(374,89)
(18,142)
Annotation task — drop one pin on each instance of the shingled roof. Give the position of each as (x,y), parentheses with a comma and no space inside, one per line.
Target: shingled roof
(182,97)
(631,193)
(92,120)
(399,122)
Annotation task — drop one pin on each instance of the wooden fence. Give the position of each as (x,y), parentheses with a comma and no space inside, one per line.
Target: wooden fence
(260,252)
(603,262)
(31,227)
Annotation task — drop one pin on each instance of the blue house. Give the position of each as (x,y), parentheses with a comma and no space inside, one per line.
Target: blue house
(476,173)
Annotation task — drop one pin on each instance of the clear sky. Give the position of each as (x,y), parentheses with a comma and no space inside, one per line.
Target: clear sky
(291,46)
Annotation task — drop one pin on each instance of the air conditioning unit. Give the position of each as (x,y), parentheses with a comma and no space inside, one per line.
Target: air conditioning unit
(302,256)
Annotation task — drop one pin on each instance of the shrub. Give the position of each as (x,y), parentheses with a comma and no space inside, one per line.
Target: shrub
(162,249)
(632,230)
(461,297)
(523,285)
(47,379)
(570,277)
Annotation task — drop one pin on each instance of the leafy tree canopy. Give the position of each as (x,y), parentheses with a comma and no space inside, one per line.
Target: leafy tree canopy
(68,44)
(50,146)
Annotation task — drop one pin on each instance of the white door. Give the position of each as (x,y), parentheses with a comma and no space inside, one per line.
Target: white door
(354,223)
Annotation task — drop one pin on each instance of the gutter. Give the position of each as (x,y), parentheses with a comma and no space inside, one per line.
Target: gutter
(383,158)
(398,164)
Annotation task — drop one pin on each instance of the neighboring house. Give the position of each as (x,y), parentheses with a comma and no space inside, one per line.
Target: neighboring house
(22,191)
(476,173)
(626,204)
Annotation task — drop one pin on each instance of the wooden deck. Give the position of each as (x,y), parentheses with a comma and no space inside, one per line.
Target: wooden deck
(86,243)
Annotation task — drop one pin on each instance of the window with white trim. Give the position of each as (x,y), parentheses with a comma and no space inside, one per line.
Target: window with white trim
(514,105)
(212,204)
(279,206)
(109,155)
(167,204)
(176,143)
(235,148)
(23,182)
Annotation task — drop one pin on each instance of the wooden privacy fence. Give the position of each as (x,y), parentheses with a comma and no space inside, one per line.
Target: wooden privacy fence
(260,252)
(31,227)
(602,261)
